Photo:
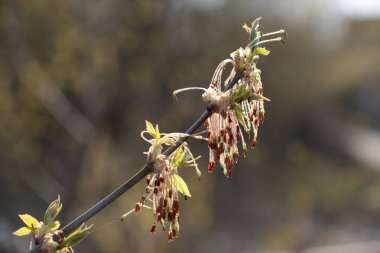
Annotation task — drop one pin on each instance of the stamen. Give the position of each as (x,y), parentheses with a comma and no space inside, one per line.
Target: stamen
(282,31)
(268,41)
(186,89)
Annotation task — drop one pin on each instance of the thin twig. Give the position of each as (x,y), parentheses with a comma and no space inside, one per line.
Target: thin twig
(142,173)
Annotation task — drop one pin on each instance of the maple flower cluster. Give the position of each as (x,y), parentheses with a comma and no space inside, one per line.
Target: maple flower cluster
(238,108)
(235,115)
(46,237)
(164,184)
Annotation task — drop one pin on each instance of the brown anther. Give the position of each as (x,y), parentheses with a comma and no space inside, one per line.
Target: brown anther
(170,236)
(238,136)
(170,193)
(165,203)
(155,191)
(211,166)
(254,143)
(261,116)
(229,173)
(137,208)
(175,206)
(170,216)
(250,117)
(153,229)
(230,139)
(148,179)
(212,145)
(220,148)
(235,157)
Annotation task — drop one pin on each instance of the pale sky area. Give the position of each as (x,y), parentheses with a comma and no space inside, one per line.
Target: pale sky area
(356,9)
(360,9)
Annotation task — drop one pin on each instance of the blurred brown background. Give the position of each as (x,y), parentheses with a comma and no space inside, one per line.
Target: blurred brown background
(78,79)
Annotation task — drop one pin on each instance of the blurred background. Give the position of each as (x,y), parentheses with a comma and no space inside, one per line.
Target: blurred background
(78,79)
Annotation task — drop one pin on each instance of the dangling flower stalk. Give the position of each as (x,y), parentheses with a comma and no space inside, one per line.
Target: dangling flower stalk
(240,108)
(164,183)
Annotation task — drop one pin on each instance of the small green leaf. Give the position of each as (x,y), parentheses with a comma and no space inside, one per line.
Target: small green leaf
(157,131)
(262,50)
(247,28)
(254,30)
(54,225)
(167,141)
(52,212)
(178,158)
(181,185)
(23,231)
(151,130)
(29,220)
(76,237)
(240,116)
(240,94)
(258,97)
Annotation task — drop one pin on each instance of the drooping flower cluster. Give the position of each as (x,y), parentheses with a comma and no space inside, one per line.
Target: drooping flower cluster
(46,237)
(164,184)
(237,108)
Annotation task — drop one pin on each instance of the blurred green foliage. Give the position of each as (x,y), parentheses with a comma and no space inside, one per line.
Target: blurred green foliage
(78,79)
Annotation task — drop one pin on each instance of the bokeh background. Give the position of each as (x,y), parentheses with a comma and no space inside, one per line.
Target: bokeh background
(78,79)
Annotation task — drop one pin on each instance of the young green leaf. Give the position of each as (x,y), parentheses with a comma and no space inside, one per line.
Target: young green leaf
(151,130)
(240,116)
(262,50)
(179,157)
(52,211)
(181,185)
(23,231)
(29,220)
(54,225)
(157,131)
(76,237)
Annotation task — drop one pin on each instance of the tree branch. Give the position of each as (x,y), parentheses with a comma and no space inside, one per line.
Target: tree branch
(142,173)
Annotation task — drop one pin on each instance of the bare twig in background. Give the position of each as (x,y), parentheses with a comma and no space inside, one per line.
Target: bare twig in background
(55,102)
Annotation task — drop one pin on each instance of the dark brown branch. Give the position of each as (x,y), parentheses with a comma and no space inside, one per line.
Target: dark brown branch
(141,174)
